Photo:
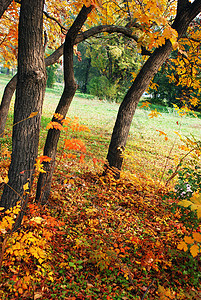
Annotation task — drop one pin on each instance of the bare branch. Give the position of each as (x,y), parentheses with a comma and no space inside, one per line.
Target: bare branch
(89,33)
(63,29)
(106,28)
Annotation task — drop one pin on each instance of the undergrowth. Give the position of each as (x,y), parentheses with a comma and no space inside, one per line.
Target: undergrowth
(100,238)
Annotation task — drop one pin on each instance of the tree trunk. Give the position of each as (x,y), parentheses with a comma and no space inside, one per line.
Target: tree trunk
(186,13)
(86,77)
(3,6)
(31,80)
(70,86)
(129,105)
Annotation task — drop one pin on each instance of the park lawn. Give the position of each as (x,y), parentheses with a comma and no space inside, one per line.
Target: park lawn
(145,142)
(148,151)
(106,239)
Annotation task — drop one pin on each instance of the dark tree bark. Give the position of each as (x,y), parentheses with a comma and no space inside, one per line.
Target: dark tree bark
(109,56)
(70,86)
(3,6)
(52,59)
(86,77)
(31,81)
(186,12)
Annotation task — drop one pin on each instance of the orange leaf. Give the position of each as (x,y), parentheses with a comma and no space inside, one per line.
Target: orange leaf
(182,246)
(44,158)
(188,240)
(154,113)
(33,114)
(58,116)
(81,160)
(194,250)
(55,125)
(145,104)
(197,237)
(87,3)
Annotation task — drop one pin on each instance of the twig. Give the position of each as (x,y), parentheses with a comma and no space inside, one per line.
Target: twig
(179,164)
(171,149)
(63,29)
(148,289)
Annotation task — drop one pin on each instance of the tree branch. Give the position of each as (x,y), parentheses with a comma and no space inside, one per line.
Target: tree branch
(106,28)
(89,33)
(63,29)
(181,5)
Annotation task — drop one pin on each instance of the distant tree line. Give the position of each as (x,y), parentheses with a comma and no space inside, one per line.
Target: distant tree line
(106,71)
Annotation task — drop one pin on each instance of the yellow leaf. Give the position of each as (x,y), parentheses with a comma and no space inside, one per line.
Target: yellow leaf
(37,220)
(197,237)
(185,203)
(33,114)
(194,250)
(182,246)
(154,113)
(199,213)
(195,203)
(188,240)
(26,186)
(196,198)
(5,180)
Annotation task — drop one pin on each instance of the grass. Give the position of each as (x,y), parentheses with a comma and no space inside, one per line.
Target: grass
(148,151)
(144,142)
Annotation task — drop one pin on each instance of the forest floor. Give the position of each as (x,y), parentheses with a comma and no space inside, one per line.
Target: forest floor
(100,238)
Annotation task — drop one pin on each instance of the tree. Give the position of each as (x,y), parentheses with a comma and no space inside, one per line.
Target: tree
(113,60)
(82,67)
(163,91)
(70,86)
(186,12)
(3,6)
(31,81)
(51,75)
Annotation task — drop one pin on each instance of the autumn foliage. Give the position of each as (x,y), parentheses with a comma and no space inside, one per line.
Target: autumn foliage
(99,237)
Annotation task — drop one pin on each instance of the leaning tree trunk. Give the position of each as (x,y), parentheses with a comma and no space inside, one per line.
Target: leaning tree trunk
(5,103)
(129,105)
(185,14)
(3,6)
(70,86)
(30,91)
(86,77)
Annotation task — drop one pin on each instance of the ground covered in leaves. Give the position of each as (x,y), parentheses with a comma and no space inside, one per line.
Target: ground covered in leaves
(99,238)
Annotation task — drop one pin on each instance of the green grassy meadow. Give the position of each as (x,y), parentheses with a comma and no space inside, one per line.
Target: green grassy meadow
(147,151)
